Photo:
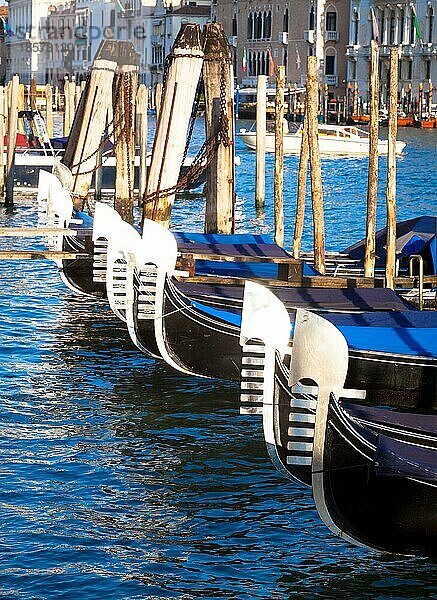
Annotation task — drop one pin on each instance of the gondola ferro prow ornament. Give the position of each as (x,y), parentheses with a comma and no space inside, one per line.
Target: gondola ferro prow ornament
(264,319)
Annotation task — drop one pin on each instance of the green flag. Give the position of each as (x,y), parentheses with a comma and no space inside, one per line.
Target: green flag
(416,25)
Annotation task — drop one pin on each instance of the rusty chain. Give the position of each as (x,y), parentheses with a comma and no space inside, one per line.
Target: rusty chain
(113,123)
(209,148)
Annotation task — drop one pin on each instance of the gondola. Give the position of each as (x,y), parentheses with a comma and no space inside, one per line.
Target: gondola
(86,275)
(395,347)
(373,472)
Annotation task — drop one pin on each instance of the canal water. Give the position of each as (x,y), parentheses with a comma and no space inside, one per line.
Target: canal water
(121,478)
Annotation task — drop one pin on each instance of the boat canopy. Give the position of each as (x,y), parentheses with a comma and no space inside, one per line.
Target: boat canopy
(414,236)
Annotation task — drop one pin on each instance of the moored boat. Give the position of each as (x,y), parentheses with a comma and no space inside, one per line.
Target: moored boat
(373,472)
(334,140)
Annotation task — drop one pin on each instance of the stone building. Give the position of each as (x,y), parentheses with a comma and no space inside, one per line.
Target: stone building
(409,26)
(29,46)
(285,33)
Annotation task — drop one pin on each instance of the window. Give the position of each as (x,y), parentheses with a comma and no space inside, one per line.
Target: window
(234,25)
(412,29)
(267,29)
(312,19)
(356,22)
(112,18)
(285,59)
(381,26)
(392,27)
(285,20)
(428,69)
(410,70)
(331,21)
(430,24)
(330,65)
(402,26)
(250,26)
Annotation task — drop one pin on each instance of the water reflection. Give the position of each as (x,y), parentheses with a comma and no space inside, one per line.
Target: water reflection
(121,478)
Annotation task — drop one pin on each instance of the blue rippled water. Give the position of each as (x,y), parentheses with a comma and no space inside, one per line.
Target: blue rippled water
(123,479)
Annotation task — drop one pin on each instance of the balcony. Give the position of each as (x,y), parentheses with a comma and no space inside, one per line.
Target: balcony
(128,13)
(353,51)
(156,40)
(232,39)
(283,37)
(384,51)
(331,36)
(407,50)
(308,36)
(331,79)
(429,49)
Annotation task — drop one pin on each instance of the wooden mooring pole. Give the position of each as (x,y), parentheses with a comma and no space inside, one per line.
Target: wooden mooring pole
(260,173)
(81,152)
(125,84)
(301,187)
(219,113)
(21,106)
(12,140)
(2,142)
(49,110)
(316,168)
(172,123)
(142,131)
(390,265)
(158,99)
(372,180)
(32,94)
(279,157)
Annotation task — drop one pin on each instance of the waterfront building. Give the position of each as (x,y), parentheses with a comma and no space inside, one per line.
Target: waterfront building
(29,46)
(266,34)
(61,21)
(4,51)
(411,27)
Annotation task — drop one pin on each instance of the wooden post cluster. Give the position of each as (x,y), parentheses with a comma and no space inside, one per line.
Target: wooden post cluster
(390,266)
(372,182)
(279,157)
(260,174)
(219,113)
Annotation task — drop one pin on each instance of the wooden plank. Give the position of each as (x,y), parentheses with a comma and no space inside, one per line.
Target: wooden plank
(306,282)
(41,255)
(238,258)
(35,231)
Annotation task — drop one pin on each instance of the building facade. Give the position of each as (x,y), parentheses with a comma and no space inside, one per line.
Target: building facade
(409,26)
(30,49)
(264,35)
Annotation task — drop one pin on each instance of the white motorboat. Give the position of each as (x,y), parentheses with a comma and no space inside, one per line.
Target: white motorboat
(334,140)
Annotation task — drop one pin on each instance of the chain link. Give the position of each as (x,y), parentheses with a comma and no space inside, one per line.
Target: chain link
(208,150)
